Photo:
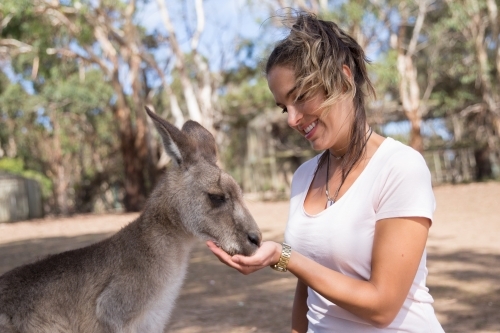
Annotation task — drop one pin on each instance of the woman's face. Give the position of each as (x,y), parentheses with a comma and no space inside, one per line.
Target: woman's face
(328,132)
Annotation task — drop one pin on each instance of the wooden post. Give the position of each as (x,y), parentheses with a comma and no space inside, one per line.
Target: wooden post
(437,166)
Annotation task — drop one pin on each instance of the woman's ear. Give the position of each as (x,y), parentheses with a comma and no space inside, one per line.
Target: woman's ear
(350,86)
(347,71)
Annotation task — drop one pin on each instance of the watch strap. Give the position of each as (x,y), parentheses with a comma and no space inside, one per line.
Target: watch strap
(286,252)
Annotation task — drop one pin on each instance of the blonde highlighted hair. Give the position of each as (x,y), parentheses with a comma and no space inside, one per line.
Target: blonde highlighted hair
(317,52)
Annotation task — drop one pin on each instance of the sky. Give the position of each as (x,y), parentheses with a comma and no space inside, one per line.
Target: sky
(227,23)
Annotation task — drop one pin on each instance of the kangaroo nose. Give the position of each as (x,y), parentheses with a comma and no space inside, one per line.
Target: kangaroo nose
(254,238)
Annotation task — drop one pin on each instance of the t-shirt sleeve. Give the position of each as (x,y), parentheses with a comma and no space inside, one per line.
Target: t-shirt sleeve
(406,188)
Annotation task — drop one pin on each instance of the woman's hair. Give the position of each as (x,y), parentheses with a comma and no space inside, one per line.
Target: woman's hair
(316,51)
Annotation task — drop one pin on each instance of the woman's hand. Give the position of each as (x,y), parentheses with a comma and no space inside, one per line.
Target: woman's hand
(267,254)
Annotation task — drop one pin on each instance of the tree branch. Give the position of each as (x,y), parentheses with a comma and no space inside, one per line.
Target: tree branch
(422,11)
(200,26)
(6,44)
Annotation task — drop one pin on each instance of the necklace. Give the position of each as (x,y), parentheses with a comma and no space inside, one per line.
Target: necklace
(337,157)
(331,201)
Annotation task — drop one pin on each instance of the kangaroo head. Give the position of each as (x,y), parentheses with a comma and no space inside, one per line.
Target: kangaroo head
(206,200)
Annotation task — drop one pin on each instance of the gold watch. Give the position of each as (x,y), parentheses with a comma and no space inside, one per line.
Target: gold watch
(286,252)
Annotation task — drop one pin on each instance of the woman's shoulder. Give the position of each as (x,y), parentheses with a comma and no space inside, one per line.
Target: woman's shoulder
(396,153)
(403,185)
(396,159)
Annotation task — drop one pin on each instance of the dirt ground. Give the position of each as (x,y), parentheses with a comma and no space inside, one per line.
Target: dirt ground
(463,261)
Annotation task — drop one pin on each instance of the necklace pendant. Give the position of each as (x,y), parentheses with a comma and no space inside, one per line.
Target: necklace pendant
(329,202)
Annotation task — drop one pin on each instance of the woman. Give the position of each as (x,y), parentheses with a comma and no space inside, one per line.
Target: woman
(360,211)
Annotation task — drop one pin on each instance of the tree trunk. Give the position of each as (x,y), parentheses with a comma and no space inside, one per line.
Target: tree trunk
(61,188)
(133,148)
(11,149)
(483,164)
(410,97)
(491,96)
(416,141)
(135,190)
(495,32)
(57,166)
(409,88)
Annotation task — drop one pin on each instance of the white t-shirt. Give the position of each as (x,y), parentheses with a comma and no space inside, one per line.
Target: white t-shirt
(395,183)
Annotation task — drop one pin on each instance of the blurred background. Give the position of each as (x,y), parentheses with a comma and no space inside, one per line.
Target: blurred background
(75,77)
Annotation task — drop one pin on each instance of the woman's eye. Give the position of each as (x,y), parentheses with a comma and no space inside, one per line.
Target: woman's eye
(284,110)
(301,97)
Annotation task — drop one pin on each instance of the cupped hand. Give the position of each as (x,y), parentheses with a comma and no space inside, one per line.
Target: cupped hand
(267,254)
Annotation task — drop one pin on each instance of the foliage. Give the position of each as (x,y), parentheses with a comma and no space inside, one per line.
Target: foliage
(16,166)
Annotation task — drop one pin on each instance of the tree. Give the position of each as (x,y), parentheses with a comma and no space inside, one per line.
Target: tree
(478,25)
(108,37)
(51,123)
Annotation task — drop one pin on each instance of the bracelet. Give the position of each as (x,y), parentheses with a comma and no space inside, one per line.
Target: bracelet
(286,252)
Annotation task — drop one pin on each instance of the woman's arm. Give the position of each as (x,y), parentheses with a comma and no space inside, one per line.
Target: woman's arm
(397,251)
(299,310)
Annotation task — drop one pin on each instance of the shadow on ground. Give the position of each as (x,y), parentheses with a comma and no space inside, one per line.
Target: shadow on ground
(466,287)
(215,298)
(26,251)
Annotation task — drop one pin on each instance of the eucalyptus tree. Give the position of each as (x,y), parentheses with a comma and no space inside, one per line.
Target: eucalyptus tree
(111,36)
(104,34)
(61,132)
(446,54)
(53,111)
(476,24)
(74,142)
(21,39)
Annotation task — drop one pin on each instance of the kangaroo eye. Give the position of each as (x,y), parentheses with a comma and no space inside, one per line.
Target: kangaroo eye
(217,199)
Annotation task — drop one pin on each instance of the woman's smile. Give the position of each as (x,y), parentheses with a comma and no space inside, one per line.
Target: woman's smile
(309,128)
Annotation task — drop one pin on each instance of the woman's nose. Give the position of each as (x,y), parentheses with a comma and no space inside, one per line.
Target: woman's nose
(293,117)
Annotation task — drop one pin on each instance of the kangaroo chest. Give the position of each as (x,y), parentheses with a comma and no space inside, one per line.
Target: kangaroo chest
(156,317)
(157,313)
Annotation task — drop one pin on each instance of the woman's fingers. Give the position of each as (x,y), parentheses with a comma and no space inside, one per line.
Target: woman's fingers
(262,258)
(221,255)
(228,260)
(217,251)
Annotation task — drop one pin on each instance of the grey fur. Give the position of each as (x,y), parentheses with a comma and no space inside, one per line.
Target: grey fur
(129,282)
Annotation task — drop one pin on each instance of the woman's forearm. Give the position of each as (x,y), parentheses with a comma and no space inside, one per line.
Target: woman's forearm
(355,296)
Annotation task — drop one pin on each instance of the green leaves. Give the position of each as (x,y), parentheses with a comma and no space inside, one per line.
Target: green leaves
(16,166)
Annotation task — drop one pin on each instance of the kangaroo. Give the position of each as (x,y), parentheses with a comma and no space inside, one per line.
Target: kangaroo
(130,281)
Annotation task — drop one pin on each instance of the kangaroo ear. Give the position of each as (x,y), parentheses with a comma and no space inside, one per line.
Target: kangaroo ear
(205,141)
(176,143)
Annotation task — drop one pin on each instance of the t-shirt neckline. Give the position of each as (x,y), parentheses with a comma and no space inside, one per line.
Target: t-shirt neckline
(311,177)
